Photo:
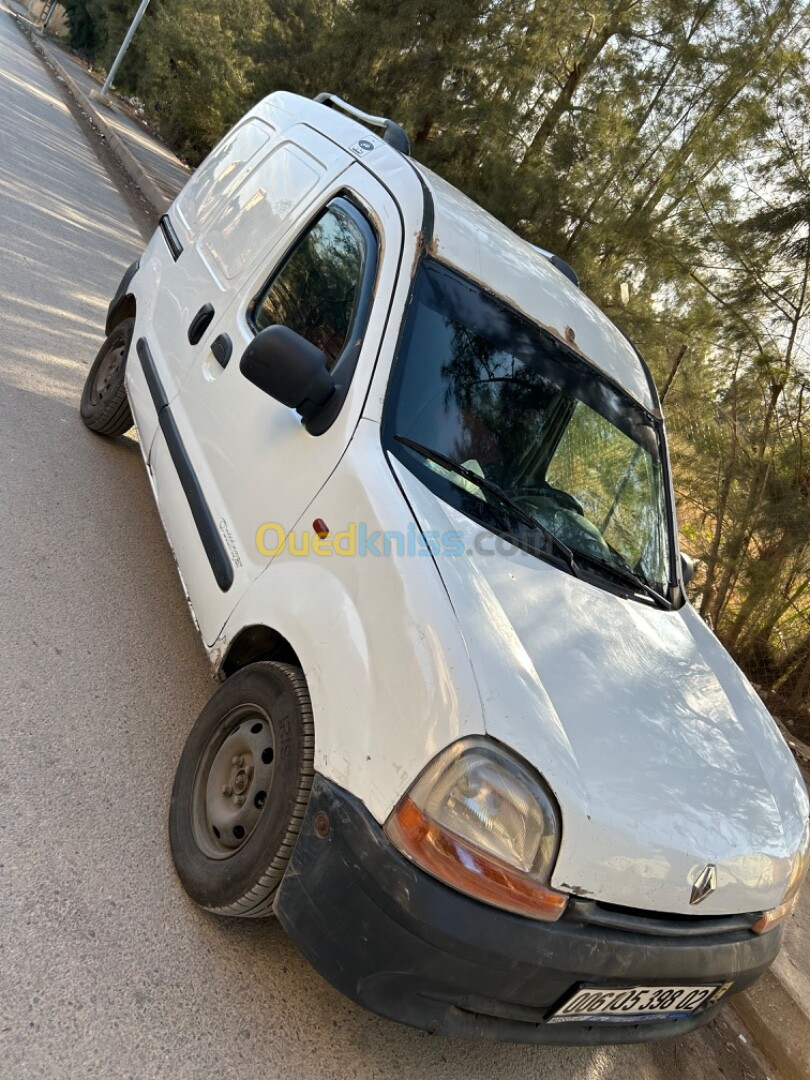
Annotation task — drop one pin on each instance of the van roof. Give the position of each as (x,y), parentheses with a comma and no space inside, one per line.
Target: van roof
(470,239)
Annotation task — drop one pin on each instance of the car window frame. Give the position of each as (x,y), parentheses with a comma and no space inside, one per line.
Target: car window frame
(346,362)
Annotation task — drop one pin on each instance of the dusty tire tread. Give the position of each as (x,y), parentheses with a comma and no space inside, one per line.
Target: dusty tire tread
(257,901)
(119,420)
(116,416)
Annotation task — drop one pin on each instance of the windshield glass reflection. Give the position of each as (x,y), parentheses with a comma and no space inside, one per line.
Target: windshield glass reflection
(507,400)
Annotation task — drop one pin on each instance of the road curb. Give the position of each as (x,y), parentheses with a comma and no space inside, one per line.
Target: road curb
(153,195)
(777,1024)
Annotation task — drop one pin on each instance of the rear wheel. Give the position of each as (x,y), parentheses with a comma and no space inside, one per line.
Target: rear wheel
(104,405)
(241,790)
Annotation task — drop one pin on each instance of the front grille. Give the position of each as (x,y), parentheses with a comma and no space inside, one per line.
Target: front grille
(656,923)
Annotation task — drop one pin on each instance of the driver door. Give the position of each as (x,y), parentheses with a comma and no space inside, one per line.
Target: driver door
(331,280)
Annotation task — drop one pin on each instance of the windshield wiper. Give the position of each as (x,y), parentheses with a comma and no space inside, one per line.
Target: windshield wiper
(497,492)
(627,575)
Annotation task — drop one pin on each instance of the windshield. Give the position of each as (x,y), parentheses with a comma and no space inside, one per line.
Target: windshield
(484,388)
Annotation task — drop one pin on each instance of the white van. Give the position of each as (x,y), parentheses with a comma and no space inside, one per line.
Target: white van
(473,746)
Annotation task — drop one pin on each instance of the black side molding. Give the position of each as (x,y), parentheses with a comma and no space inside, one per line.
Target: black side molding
(152,378)
(206,527)
(170,236)
(211,540)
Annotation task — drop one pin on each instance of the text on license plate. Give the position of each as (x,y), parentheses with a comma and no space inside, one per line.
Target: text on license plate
(632,1002)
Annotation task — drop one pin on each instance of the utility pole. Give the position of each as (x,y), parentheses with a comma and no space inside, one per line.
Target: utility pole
(102,94)
(48,11)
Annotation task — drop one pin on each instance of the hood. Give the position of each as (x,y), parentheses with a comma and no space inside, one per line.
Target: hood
(661,755)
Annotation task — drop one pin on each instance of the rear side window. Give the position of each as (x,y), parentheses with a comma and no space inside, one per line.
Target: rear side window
(261,207)
(221,173)
(323,287)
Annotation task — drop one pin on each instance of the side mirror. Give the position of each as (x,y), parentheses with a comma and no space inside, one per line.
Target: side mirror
(687,568)
(290,369)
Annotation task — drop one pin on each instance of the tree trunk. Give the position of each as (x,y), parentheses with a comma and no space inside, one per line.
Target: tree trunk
(699,19)
(740,544)
(587,58)
(740,541)
(799,692)
(673,371)
(713,558)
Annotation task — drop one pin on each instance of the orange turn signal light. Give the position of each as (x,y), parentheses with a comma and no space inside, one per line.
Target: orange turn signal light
(771,919)
(468,869)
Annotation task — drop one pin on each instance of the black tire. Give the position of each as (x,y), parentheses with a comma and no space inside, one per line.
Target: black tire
(104,406)
(254,741)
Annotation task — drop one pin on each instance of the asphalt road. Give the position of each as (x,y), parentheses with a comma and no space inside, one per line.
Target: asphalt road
(106,968)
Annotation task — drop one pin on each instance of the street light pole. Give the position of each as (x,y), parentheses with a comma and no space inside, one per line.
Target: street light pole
(139,14)
(51,8)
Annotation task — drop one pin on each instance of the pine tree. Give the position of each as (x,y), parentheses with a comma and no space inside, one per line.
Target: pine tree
(660,145)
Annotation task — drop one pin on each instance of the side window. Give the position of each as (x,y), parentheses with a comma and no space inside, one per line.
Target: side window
(261,201)
(323,288)
(221,173)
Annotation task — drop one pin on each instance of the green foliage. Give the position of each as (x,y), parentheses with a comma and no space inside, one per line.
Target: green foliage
(197,69)
(659,145)
(86,28)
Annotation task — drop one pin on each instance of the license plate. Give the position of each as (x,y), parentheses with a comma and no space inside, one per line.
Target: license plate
(636,1002)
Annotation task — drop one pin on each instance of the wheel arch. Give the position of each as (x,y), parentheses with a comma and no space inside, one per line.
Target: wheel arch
(386,691)
(254,643)
(124,307)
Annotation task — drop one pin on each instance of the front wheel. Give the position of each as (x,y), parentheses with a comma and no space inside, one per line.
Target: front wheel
(241,790)
(104,406)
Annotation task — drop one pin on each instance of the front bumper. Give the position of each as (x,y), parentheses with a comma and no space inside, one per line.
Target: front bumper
(400,943)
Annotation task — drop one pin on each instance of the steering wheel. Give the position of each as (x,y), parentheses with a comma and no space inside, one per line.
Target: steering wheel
(562,499)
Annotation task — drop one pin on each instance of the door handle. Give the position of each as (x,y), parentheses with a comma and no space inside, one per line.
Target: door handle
(222,347)
(200,323)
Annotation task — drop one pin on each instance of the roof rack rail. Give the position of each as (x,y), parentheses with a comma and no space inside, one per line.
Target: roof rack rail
(393,134)
(560,264)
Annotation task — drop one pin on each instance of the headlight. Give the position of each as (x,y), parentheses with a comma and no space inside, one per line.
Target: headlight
(482,821)
(798,871)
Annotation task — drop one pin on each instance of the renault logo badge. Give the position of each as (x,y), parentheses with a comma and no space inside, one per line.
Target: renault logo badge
(705,884)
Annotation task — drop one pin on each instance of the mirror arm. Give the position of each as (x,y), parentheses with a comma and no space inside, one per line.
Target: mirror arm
(308,409)
(687,568)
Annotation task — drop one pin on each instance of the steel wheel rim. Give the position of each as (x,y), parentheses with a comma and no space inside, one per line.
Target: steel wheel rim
(232,783)
(107,379)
